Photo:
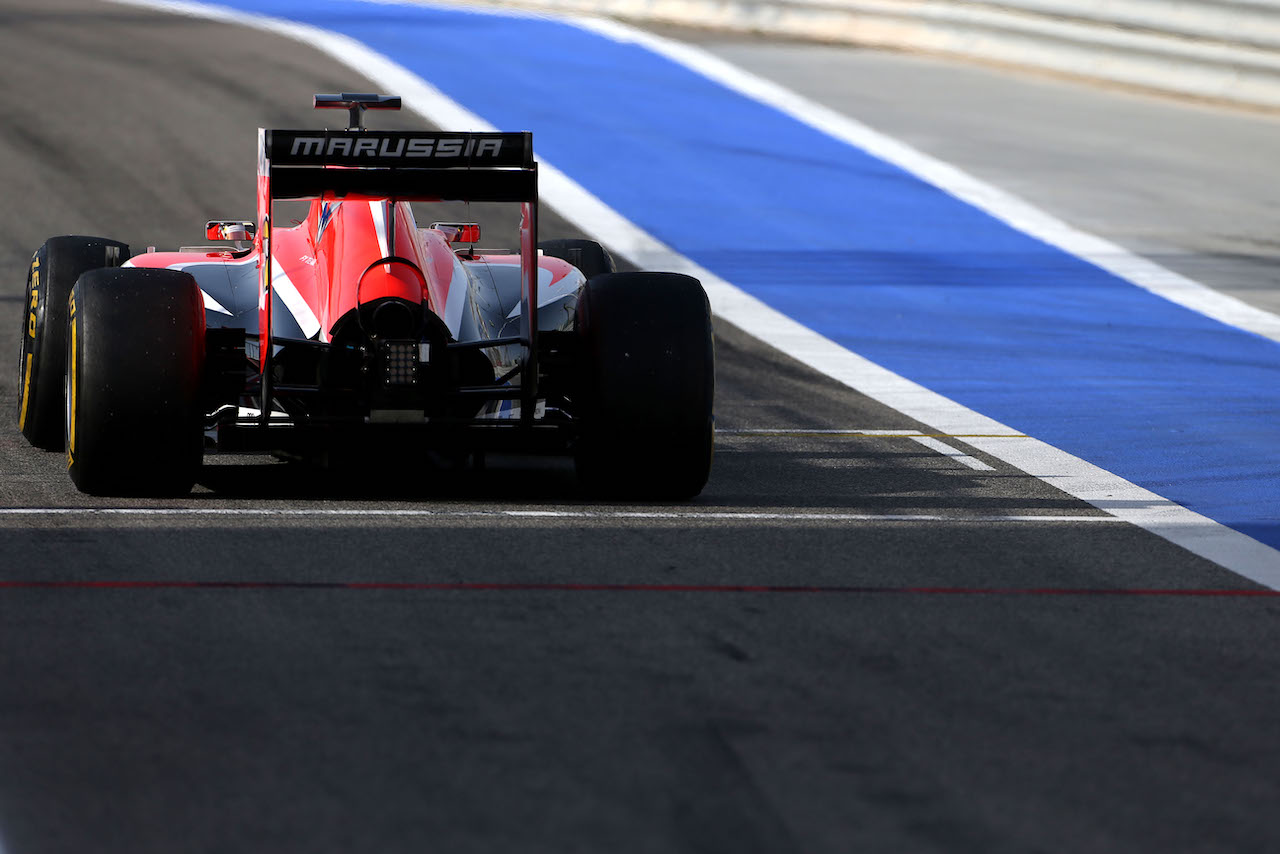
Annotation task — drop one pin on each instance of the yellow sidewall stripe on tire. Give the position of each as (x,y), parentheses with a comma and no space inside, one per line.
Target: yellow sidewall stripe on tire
(71,401)
(26,395)
(34,288)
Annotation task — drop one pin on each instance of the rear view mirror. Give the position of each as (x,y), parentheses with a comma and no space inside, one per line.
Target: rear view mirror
(459,232)
(229,230)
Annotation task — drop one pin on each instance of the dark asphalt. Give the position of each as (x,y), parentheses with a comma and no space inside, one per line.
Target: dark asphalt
(315,719)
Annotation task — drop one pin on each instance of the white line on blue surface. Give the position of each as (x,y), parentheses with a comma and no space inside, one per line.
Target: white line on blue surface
(1004,206)
(1073,475)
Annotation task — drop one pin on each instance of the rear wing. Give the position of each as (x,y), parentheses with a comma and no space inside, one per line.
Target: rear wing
(406,165)
(400,166)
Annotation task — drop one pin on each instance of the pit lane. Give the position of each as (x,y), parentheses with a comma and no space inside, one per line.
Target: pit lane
(234,718)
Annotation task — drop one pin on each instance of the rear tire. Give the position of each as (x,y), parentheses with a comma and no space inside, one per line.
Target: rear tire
(646,386)
(42,361)
(587,255)
(135,357)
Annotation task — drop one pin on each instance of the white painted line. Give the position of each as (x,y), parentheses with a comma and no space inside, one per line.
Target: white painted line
(765,432)
(1196,533)
(549,513)
(804,431)
(1004,206)
(954,453)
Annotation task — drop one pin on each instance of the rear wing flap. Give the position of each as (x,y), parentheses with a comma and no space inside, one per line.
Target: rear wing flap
(407,165)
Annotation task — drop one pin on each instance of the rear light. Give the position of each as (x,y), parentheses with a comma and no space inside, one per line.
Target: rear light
(399,362)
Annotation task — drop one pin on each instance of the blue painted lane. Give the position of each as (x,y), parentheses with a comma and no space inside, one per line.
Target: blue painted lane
(868,255)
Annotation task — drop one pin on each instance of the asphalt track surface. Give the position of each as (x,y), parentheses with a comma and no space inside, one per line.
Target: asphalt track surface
(494,663)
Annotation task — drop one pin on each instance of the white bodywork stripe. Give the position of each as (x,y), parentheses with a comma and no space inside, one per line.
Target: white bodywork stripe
(281,284)
(284,288)
(212,304)
(379,212)
(1196,533)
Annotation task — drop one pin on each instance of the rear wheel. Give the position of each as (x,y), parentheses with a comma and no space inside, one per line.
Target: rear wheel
(587,255)
(42,360)
(646,386)
(135,362)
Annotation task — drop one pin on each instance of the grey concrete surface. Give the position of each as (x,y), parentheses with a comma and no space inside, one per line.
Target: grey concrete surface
(315,719)
(1192,186)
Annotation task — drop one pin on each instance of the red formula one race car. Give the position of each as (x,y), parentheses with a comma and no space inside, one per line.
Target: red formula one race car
(357,335)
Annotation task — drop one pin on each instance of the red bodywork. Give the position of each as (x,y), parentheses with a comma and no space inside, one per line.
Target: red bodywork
(333,274)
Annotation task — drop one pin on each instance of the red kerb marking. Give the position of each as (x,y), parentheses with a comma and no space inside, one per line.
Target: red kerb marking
(555,587)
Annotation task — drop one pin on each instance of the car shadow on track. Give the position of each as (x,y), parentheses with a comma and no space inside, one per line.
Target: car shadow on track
(533,479)
(872,476)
